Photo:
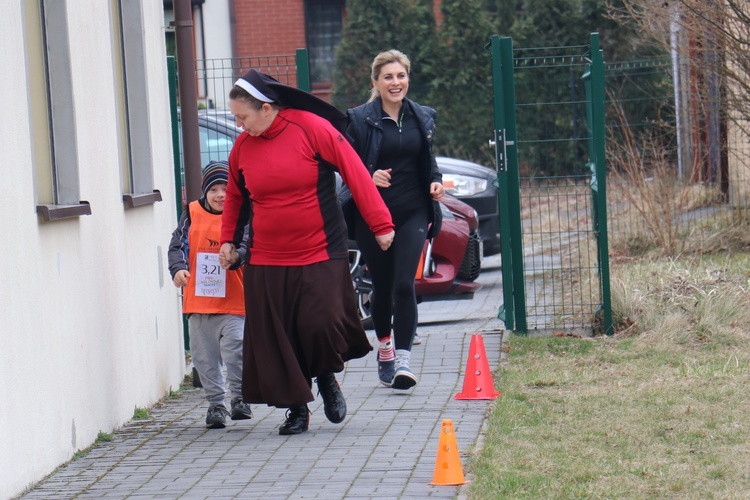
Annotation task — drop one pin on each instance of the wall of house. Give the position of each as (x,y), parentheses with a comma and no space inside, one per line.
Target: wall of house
(738,151)
(269,28)
(738,145)
(90,322)
(219,43)
(213,36)
(212,40)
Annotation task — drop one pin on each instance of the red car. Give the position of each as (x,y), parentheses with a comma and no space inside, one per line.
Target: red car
(450,264)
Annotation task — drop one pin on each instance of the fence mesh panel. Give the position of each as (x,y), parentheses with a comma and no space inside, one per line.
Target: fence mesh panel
(678,174)
(215,77)
(559,242)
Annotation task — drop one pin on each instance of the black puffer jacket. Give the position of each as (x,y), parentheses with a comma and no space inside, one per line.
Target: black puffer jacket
(366,132)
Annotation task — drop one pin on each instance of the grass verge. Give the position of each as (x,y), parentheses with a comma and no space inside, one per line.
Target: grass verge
(658,410)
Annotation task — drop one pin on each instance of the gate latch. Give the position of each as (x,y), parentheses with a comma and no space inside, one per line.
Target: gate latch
(501,150)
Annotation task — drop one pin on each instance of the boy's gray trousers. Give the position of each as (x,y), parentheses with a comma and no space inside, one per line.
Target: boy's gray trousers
(216,340)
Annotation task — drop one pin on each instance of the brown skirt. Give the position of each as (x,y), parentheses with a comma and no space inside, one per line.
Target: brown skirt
(301,322)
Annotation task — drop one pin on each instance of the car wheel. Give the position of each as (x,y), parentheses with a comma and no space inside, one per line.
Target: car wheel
(362,284)
(472,262)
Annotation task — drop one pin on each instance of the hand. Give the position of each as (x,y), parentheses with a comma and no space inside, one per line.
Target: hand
(228,255)
(437,191)
(382,178)
(181,278)
(385,240)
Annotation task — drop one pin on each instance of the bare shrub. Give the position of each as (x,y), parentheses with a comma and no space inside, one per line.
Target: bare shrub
(646,180)
(696,197)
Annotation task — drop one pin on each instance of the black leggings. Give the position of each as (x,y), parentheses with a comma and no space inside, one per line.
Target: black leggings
(394,303)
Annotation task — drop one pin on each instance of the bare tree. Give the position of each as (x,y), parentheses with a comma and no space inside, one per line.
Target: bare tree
(710,45)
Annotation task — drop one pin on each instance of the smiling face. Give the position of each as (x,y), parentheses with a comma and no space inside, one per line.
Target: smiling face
(216,195)
(254,121)
(392,83)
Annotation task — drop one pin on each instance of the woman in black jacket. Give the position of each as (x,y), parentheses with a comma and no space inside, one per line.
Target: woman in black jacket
(393,136)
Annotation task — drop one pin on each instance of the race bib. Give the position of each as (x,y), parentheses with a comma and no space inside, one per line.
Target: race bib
(211,279)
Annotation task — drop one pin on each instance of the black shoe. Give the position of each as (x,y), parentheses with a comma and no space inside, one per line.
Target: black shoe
(297,420)
(333,400)
(241,410)
(216,417)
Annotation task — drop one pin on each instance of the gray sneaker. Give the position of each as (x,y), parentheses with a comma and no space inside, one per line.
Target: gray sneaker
(216,417)
(241,410)
(404,378)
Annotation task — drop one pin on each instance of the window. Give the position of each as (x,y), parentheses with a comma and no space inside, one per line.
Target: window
(53,110)
(138,185)
(55,144)
(323,26)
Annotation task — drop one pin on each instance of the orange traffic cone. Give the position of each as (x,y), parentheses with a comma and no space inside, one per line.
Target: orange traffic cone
(448,470)
(478,378)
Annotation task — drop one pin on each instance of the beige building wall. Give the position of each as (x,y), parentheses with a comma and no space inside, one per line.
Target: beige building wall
(738,143)
(90,322)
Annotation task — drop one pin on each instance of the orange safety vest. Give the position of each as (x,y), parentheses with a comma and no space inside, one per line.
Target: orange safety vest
(210,289)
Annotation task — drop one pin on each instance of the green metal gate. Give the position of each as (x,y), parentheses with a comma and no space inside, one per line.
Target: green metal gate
(554,216)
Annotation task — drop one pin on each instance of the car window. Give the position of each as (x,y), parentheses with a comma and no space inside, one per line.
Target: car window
(215,146)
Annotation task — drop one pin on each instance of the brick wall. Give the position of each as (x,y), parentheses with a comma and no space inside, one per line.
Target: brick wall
(269,27)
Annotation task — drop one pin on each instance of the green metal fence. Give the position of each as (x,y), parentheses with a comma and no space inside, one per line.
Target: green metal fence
(676,160)
(552,187)
(215,77)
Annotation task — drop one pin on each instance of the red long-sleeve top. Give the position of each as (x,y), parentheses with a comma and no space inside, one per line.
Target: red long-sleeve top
(283,183)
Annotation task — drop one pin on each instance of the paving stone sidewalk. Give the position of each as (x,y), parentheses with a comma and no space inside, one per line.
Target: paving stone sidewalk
(385,448)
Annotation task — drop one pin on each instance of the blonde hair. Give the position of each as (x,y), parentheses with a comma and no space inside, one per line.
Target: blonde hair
(387,57)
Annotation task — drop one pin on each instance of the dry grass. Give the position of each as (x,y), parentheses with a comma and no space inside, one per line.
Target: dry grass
(691,220)
(659,410)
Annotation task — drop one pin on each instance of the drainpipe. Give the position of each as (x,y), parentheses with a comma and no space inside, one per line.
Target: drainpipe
(233,27)
(191,153)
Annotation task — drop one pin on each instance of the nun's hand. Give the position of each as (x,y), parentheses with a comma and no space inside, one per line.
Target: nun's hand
(227,255)
(385,240)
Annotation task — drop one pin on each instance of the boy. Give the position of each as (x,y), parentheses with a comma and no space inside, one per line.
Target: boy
(213,298)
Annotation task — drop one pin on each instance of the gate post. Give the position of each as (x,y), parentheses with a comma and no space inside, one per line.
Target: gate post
(303,70)
(598,135)
(513,310)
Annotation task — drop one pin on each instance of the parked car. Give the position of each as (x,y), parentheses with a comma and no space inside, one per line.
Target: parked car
(216,133)
(452,261)
(449,267)
(474,184)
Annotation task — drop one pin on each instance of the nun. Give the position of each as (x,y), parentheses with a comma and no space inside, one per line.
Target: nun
(301,317)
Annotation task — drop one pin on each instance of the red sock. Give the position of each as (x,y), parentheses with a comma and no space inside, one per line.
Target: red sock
(385,349)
